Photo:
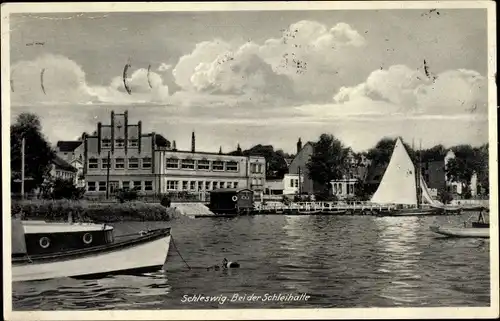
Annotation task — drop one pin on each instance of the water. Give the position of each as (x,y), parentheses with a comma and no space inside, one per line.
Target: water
(338,261)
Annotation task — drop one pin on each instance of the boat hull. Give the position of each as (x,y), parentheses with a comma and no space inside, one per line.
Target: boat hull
(144,254)
(461,232)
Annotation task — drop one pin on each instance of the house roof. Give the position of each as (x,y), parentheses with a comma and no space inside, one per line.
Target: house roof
(68,146)
(62,164)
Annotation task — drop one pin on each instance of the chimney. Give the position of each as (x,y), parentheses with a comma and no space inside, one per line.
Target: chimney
(174,147)
(193,142)
(238,149)
(299,146)
(220,150)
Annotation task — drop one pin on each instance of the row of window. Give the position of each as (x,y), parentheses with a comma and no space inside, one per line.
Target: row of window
(294,182)
(199,185)
(202,164)
(337,189)
(119,142)
(256,168)
(121,163)
(101,186)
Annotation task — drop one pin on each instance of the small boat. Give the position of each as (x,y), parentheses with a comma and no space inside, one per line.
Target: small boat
(44,250)
(479,229)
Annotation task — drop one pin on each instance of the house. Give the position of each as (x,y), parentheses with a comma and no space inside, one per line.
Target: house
(298,166)
(60,169)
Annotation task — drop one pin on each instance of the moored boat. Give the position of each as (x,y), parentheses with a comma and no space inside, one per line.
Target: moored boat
(479,229)
(42,250)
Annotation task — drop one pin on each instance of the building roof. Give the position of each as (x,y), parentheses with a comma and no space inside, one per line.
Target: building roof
(68,146)
(62,164)
(230,190)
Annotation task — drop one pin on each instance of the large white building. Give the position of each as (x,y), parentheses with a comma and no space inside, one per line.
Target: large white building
(202,172)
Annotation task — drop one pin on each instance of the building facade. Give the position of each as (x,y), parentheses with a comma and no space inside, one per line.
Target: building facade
(119,154)
(344,188)
(201,172)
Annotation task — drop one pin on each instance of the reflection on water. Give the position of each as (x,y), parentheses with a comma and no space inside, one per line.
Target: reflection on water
(340,261)
(399,256)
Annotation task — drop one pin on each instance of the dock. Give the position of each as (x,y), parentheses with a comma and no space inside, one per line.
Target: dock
(332,208)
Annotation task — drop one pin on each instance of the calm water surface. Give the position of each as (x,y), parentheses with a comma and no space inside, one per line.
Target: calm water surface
(339,261)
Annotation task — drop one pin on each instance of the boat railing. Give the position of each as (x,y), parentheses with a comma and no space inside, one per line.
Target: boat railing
(322,206)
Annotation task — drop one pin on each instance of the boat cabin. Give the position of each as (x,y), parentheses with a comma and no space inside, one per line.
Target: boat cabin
(231,200)
(39,237)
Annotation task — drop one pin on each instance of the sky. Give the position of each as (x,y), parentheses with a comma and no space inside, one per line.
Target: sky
(261,77)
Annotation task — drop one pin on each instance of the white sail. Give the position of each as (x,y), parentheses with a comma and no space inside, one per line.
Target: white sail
(426,196)
(398,185)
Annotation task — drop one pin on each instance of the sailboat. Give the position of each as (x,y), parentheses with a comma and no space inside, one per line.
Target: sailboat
(403,186)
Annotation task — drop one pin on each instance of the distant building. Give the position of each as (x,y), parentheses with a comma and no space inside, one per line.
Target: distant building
(70,150)
(73,152)
(344,188)
(203,171)
(127,150)
(60,169)
(289,185)
(298,166)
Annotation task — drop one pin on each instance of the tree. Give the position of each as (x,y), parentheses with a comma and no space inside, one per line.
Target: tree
(64,189)
(436,153)
(38,153)
(461,168)
(482,168)
(327,163)
(382,152)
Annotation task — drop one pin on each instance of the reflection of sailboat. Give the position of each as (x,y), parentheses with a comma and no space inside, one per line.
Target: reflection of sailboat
(403,186)
(399,257)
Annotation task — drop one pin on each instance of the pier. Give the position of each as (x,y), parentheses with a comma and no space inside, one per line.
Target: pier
(321,208)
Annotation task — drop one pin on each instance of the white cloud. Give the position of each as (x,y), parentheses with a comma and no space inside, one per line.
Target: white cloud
(63,81)
(164,67)
(451,92)
(306,63)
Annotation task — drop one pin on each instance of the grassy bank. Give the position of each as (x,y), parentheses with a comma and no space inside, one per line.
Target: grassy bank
(58,210)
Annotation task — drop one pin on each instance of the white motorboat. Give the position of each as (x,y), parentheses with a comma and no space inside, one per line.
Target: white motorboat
(480,232)
(479,228)
(43,250)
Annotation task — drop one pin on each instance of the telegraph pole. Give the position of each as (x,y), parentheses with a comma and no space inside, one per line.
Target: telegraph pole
(107,174)
(300,182)
(23,142)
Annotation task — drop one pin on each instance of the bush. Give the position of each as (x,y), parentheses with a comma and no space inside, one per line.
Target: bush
(127,195)
(57,210)
(58,189)
(165,201)
(444,196)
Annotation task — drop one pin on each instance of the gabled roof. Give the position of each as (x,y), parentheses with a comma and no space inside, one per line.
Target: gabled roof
(68,146)
(62,164)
